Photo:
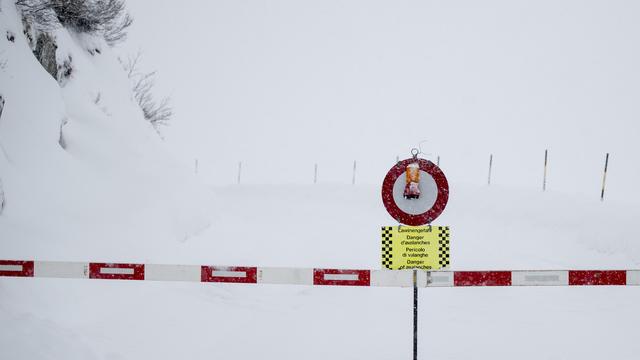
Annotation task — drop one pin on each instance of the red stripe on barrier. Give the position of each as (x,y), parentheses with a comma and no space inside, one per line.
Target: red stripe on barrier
(482,278)
(250,274)
(25,271)
(116,271)
(597,277)
(334,275)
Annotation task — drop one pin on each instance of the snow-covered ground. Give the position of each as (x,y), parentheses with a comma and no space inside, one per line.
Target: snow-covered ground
(85,178)
(337,226)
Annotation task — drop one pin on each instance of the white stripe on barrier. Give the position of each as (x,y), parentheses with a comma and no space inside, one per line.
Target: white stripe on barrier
(173,272)
(437,279)
(10,267)
(227,273)
(118,271)
(285,276)
(341,277)
(540,278)
(59,269)
(389,278)
(633,277)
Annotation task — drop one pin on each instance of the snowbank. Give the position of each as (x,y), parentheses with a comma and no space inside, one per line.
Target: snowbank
(82,171)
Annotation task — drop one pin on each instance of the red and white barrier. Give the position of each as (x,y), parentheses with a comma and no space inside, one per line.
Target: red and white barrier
(116,271)
(16,268)
(230,274)
(316,277)
(341,277)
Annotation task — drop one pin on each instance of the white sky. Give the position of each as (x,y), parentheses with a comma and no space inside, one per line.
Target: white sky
(283,84)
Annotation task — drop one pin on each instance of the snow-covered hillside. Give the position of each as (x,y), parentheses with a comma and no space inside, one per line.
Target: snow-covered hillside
(79,164)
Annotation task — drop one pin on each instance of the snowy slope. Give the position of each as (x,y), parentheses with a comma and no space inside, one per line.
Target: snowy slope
(79,164)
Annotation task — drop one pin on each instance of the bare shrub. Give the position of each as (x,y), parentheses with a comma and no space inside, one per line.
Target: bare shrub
(116,32)
(38,13)
(157,112)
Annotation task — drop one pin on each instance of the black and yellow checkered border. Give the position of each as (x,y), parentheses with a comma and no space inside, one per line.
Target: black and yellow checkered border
(387,247)
(444,247)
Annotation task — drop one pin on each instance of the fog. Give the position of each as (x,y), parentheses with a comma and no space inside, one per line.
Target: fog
(282,85)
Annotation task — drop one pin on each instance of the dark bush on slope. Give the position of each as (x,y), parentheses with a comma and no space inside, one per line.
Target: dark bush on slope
(105,17)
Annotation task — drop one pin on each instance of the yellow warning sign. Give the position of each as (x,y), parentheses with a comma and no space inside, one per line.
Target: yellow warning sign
(415,247)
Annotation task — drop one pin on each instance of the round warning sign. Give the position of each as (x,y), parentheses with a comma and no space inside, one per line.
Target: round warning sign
(415,191)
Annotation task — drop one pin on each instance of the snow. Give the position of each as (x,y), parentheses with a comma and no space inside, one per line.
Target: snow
(86,171)
(114,193)
(338,226)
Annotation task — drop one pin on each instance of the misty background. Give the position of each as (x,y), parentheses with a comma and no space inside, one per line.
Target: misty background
(281,85)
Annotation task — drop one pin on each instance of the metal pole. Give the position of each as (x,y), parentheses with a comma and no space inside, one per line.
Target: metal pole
(415,314)
(490,164)
(438,161)
(315,174)
(353,180)
(239,171)
(604,176)
(544,179)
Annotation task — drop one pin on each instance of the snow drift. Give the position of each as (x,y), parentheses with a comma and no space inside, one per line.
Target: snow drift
(79,165)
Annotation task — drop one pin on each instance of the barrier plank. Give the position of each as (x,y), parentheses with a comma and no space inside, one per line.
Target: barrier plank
(229,274)
(597,277)
(341,277)
(482,278)
(16,268)
(112,271)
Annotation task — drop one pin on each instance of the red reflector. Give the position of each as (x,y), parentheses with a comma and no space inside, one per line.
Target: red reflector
(597,277)
(16,268)
(341,277)
(116,271)
(229,274)
(482,278)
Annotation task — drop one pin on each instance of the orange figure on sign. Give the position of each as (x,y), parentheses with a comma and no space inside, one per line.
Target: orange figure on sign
(412,189)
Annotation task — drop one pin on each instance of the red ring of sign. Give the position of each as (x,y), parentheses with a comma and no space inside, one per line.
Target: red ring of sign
(419,219)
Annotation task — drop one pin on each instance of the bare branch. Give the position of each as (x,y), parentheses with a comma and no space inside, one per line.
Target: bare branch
(158,113)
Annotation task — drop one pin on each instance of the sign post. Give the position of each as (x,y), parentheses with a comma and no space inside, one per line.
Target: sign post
(415,314)
(415,192)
